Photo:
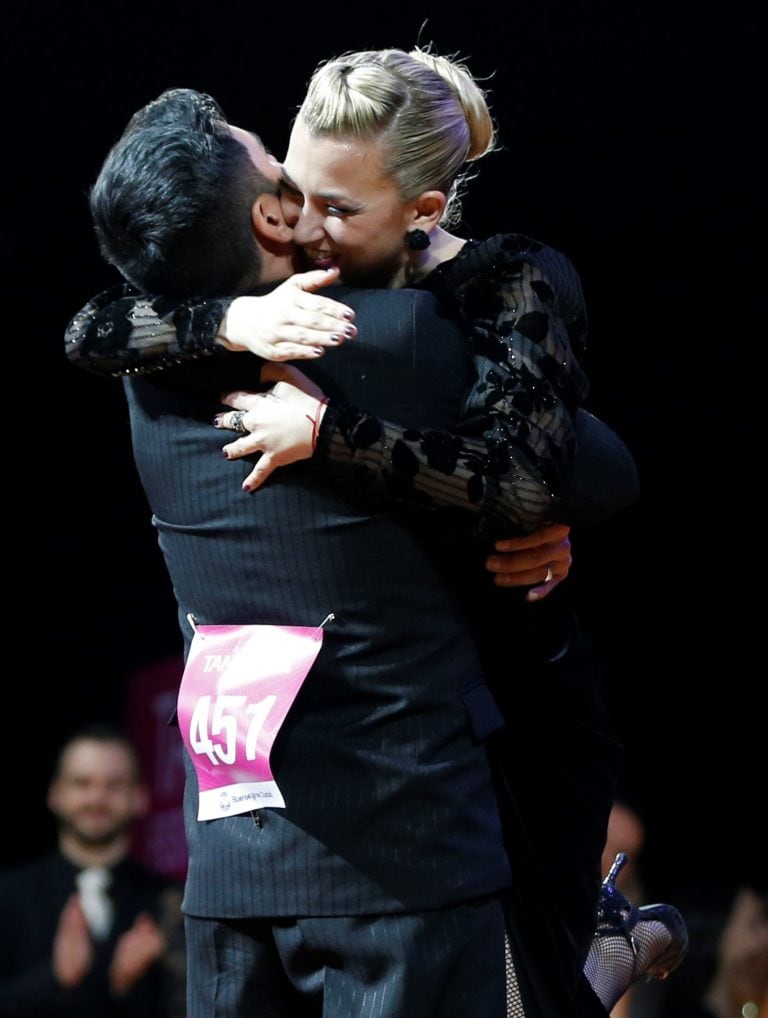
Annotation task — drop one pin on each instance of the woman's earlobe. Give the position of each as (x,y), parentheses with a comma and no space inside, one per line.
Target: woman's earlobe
(429,210)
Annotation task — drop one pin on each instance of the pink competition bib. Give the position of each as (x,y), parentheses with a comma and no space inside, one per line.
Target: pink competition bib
(238,685)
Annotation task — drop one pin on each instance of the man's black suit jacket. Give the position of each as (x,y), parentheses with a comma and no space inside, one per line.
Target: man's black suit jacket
(389,801)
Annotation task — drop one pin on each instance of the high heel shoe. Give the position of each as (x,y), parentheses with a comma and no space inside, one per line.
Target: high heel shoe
(632,942)
(617,915)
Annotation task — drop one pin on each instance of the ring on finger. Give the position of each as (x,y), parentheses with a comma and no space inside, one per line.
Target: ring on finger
(236,422)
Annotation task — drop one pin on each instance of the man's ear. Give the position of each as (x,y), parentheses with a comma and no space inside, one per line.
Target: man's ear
(268,220)
(427,210)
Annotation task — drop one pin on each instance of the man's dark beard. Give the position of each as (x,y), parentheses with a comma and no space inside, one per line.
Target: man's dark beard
(109,837)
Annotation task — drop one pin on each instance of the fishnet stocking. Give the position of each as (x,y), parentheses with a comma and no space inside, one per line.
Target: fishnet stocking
(613,965)
(515,1007)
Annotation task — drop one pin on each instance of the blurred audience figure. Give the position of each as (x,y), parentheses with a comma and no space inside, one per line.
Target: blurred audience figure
(726,972)
(87,931)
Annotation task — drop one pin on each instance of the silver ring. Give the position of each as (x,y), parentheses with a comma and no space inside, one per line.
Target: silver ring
(236,422)
(549,575)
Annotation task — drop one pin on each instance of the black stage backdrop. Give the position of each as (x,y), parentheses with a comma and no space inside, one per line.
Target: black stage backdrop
(631,143)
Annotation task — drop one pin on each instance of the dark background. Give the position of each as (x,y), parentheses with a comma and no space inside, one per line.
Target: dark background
(631,137)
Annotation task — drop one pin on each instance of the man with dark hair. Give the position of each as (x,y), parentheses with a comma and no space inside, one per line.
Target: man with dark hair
(185,205)
(87,931)
(195,175)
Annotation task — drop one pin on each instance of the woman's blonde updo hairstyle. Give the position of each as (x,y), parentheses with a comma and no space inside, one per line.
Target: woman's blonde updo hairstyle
(427,112)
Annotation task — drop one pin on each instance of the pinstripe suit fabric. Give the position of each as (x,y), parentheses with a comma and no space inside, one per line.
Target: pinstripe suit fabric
(389,803)
(394,966)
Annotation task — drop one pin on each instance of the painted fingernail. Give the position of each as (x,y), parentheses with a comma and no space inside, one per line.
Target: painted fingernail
(225,454)
(350,331)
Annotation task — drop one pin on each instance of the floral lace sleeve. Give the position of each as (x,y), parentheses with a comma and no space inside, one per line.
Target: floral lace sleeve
(522,306)
(121,331)
(430,469)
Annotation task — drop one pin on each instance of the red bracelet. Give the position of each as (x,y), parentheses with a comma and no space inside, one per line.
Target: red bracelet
(315,421)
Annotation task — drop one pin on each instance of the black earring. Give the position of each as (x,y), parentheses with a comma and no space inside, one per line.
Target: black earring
(417,240)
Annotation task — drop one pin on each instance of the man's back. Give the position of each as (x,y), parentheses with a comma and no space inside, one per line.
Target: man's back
(389,804)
